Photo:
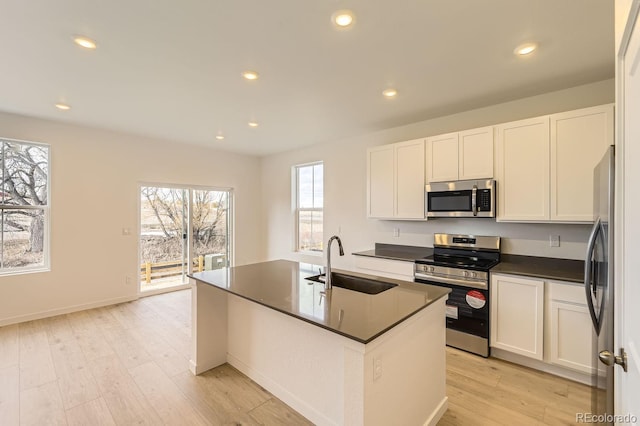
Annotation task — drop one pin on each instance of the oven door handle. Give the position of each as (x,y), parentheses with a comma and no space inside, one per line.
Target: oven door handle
(447,280)
(474,202)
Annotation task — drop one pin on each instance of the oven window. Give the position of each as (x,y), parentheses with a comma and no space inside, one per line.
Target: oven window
(453,201)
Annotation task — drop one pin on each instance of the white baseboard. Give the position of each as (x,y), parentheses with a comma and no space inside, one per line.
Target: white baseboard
(67,310)
(280,392)
(576,376)
(438,413)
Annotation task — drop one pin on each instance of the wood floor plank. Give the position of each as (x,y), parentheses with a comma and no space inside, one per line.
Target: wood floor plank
(42,405)
(130,351)
(124,399)
(170,403)
(10,396)
(103,318)
(9,347)
(163,354)
(93,413)
(213,406)
(36,364)
(277,413)
(59,329)
(75,381)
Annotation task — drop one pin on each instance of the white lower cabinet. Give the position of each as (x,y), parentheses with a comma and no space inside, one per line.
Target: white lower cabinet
(569,327)
(544,320)
(517,315)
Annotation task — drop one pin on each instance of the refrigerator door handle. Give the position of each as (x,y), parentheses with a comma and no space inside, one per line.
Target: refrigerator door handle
(588,272)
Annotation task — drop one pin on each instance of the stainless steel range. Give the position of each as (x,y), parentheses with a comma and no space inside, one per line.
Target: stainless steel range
(462,263)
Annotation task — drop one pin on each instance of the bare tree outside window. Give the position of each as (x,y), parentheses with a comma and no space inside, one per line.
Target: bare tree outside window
(24,189)
(164,239)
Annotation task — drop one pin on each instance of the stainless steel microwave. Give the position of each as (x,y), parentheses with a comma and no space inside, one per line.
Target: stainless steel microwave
(463,198)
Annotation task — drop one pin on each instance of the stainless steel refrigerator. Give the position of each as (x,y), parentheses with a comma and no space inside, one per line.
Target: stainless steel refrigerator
(599,286)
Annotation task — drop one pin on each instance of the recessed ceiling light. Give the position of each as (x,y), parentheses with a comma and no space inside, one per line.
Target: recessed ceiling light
(63,107)
(250,75)
(389,93)
(219,137)
(525,49)
(343,18)
(253,124)
(85,42)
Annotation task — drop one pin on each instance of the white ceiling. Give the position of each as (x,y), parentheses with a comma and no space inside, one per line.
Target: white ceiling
(171,69)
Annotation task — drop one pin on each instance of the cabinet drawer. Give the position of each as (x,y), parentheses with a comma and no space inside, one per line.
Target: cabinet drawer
(567,292)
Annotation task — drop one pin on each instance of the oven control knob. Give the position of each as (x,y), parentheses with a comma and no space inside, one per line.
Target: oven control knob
(465,273)
(473,275)
(431,269)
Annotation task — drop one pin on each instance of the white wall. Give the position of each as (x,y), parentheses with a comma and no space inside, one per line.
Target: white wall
(345,186)
(94,194)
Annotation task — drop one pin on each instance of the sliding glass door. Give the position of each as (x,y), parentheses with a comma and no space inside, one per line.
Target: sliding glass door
(182,230)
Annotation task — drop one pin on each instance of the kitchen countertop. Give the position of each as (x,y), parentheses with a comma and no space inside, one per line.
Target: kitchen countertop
(281,285)
(541,267)
(397,252)
(532,266)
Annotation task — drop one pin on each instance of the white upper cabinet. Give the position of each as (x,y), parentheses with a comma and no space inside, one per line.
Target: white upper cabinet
(544,165)
(475,154)
(395,180)
(579,139)
(522,170)
(442,157)
(461,155)
(409,179)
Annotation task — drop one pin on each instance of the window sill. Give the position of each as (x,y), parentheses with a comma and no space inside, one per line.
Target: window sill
(8,273)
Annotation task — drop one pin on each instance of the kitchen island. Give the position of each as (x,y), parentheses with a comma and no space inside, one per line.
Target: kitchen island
(337,356)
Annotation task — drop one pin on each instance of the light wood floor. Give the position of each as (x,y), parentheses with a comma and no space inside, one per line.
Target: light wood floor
(128,364)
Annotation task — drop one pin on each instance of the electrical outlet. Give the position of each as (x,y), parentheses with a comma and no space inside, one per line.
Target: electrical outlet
(396,232)
(377,368)
(554,240)
(127,280)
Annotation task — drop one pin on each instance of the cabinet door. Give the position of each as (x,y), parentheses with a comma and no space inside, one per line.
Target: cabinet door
(579,139)
(523,170)
(475,154)
(409,157)
(380,181)
(517,315)
(570,340)
(442,158)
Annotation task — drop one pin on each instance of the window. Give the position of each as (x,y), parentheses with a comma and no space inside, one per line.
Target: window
(309,199)
(24,206)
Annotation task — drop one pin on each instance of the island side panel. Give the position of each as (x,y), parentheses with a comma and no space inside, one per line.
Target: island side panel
(209,327)
(405,371)
(298,362)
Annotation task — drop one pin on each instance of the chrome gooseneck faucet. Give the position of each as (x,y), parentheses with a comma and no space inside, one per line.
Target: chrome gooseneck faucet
(327,280)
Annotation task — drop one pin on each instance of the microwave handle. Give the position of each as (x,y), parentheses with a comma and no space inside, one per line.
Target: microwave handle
(474,203)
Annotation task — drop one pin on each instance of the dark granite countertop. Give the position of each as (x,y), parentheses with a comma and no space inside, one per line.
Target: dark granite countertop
(532,266)
(541,267)
(281,285)
(397,252)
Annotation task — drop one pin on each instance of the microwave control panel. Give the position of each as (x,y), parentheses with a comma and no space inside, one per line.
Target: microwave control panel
(484,200)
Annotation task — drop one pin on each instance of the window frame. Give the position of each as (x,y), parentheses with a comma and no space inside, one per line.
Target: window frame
(46,209)
(298,209)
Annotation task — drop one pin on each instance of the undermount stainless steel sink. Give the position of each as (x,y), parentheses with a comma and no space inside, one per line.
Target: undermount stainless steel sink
(350,282)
